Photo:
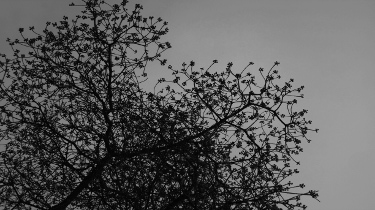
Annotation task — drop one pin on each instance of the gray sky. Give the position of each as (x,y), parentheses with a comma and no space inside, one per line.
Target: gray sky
(326,45)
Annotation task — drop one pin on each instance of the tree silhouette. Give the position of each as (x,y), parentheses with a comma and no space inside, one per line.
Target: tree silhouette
(82,133)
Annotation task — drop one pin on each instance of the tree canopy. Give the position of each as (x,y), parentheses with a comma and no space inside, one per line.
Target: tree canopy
(82,133)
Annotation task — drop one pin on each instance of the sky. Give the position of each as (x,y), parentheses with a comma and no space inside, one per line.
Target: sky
(326,45)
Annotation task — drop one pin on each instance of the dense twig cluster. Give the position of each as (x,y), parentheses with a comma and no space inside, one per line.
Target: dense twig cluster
(80,132)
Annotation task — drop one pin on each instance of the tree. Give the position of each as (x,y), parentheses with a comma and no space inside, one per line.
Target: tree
(82,133)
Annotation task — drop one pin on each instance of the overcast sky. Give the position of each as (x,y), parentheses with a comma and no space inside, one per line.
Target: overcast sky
(326,45)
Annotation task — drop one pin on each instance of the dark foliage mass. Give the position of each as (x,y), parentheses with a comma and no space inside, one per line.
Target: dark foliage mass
(81,132)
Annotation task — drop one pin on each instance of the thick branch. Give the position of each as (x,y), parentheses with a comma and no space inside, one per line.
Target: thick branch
(85,182)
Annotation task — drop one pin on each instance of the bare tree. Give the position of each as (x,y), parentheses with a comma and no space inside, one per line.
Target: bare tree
(82,133)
